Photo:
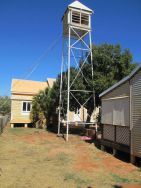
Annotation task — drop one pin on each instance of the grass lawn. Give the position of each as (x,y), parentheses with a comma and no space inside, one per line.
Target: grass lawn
(39,159)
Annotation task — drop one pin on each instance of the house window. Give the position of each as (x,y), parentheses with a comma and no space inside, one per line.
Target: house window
(26,107)
(116,111)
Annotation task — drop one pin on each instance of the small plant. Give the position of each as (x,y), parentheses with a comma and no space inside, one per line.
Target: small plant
(139,169)
(119,179)
(69,176)
(75,177)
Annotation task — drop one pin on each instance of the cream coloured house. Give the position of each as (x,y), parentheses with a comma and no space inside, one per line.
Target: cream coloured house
(22,93)
(81,115)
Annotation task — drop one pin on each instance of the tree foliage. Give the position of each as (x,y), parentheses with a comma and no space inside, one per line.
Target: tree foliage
(110,64)
(5,105)
(40,108)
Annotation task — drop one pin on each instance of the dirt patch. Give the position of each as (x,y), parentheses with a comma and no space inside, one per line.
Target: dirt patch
(12,151)
(84,160)
(84,163)
(117,166)
(31,139)
(34,137)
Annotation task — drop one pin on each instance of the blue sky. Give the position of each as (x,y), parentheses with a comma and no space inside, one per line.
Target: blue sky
(28,28)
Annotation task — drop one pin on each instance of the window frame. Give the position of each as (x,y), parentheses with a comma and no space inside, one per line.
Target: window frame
(26,111)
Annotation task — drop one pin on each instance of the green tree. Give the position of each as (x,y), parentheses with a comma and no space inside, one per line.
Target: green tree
(5,105)
(40,108)
(110,64)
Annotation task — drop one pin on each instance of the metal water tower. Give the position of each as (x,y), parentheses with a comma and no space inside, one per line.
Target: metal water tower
(77,47)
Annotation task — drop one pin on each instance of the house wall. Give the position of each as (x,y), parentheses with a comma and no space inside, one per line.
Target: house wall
(82,116)
(16,109)
(136,115)
(123,90)
(116,106)
(116,115)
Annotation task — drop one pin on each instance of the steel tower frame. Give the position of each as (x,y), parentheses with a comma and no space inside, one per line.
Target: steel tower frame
(73,42)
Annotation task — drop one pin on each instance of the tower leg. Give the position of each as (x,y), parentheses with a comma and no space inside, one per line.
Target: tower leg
(68,89)
(60,100)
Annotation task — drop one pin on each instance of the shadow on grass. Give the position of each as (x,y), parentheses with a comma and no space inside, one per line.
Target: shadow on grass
(123,156)
(78,130)
(73,130)
(119,155)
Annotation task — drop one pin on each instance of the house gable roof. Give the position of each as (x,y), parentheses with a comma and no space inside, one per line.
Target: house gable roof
(50,82)
(121,81)
(27,86)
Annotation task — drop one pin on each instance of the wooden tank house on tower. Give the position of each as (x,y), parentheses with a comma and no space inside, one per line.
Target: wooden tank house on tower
(121,115)
(77,47)
(78,17)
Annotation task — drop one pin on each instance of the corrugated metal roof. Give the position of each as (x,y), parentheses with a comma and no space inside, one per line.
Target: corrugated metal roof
(78,5)
(121,81)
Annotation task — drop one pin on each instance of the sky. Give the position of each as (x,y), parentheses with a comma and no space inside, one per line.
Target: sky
(30,35)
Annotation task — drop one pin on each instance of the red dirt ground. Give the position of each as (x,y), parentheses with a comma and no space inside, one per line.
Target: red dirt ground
(83,160)
(84,156)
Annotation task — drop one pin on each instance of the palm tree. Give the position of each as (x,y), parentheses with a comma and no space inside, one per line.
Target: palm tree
(40,108)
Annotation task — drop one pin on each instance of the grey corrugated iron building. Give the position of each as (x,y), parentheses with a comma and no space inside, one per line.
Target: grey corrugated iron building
(121,115)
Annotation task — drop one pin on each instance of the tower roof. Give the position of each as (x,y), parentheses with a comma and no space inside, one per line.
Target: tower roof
(78,5)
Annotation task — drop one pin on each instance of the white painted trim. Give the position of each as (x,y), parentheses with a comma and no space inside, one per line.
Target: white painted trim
(131,108)
(20,99)
(78,10)
(114,98)
(25,113)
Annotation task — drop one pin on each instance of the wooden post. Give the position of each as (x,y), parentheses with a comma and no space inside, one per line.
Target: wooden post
(115,132)
(132,159)
(102,128)
(12,125)
(25,125)
(102,131)
(102,147)
(114,152)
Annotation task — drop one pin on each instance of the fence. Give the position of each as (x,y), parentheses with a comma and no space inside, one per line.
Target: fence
(3,122)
